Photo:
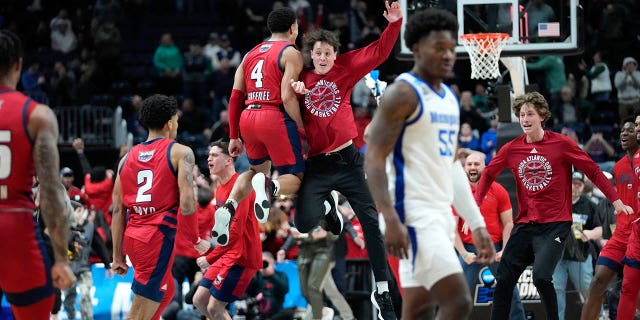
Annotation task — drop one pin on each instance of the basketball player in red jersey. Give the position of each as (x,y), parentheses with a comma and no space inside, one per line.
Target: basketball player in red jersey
(229,269)
(609,263)
(154,179)
(269,125)
(28,146)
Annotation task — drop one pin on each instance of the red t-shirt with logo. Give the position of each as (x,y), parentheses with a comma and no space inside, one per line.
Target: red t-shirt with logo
(495,202)
(244,247)
(16,161)
(542,172)
(327,114)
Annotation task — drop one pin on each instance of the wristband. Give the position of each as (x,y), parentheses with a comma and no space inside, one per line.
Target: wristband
(464,256)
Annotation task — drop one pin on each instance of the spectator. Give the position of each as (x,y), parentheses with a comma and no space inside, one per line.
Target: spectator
(226,52)
(62,85)
(600,150)
(84,239)
(168,63)
(192,121)
(197,67)
(571,111)
(133,120)
(469,113)
(627,82)
(107,44)
(537,11)
(554,74)
(271,286)
(222,85)
(600,79)
(32,79)
(98,182)
(467,139)
(62,37)
(489,140)
(67,177)
(220,129)
(212,47)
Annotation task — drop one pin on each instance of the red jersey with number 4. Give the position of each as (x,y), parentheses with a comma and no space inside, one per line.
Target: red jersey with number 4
(263,73)
(149,185)
(16,161)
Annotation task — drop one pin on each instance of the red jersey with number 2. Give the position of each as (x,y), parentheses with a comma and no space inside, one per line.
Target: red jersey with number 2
(149,185)
(263,73)
(16,162)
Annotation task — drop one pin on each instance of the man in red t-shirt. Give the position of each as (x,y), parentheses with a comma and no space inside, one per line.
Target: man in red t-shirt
(334,162)
(28,146)
(269,125)
(541,163)
(154,182)
(229,269)
(498,215)
(609,263)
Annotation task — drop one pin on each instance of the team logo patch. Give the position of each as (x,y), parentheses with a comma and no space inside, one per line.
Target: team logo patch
(535,172)
(145,156)
(265,48)
(218,281)
(323,100)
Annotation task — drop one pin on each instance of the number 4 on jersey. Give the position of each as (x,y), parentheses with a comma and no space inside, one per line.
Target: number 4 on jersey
(256,73)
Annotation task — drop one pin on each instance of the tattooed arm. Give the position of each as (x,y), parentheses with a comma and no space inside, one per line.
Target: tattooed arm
(43,127)
(185,161)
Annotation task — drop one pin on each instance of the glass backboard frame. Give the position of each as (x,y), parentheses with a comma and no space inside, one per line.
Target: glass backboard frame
(573,44)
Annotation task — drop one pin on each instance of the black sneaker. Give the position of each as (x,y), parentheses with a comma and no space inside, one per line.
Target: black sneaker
(223,218)
(264,192)
(334,218)
(383,303)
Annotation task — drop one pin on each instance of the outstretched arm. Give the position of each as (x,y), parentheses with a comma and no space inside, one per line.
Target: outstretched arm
(43,126)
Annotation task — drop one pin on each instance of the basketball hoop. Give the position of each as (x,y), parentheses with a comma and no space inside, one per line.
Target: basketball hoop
(484,50)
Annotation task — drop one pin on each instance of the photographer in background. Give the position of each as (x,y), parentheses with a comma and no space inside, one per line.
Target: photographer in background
(266,292)
(83,239)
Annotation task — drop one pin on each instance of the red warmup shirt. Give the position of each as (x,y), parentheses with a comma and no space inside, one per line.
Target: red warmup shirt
(627,188)
(542,171)
(150,190)
(327,114)
(205,224)
(99,194)
(495,202)
(16,161)
(263,73)
(244,247)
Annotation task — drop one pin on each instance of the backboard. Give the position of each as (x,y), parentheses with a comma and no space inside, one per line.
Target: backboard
(535,27)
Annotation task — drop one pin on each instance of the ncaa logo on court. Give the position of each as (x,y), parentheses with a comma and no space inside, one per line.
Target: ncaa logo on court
(145,156)
(483,294)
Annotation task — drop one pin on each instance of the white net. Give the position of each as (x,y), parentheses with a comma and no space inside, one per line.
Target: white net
(484,50)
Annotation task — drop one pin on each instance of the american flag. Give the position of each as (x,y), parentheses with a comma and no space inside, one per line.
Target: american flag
(549,29)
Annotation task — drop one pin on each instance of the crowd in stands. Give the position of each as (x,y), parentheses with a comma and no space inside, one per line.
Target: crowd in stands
(116,52)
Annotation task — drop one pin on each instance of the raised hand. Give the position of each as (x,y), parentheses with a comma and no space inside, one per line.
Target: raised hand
(393,12)
(299,87)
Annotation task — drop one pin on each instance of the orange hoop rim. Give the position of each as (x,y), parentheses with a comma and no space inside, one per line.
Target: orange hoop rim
(480,37)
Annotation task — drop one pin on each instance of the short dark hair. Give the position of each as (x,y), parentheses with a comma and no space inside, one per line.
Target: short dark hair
(281,19)
(422,23)
(224,145)
(157,110)
(322,35)
(10,50)
(628,119)
(537,101)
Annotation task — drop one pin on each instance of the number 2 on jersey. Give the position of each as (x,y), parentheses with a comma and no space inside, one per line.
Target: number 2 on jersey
(445,137)
(145,181)
(256,73)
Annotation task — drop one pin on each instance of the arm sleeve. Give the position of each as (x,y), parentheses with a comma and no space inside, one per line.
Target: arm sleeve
(463,199)
(348,228)
(84,163)
(235,108)
(288,243)
(190,227)
(362,61)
